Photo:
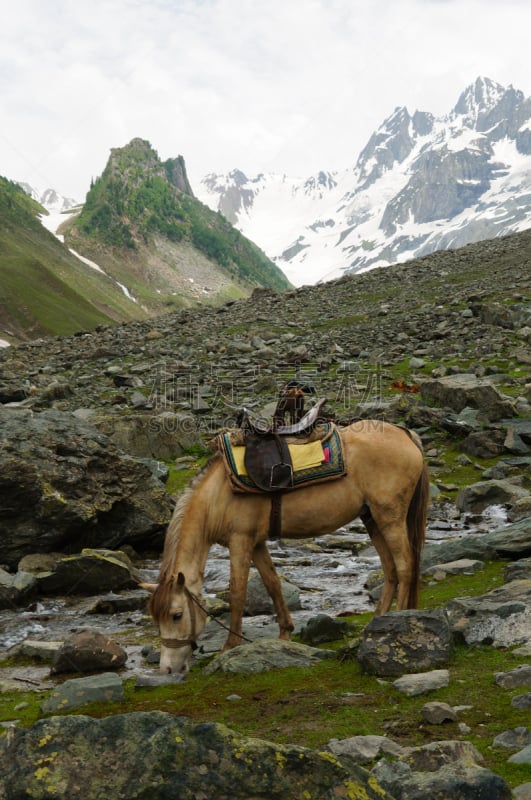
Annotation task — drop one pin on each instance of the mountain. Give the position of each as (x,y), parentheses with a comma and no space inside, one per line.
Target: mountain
(45,289)
(142,224)
(420,184)
(50,199)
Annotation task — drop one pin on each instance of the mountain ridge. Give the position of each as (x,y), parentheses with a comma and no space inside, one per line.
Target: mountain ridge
(421,183)
(139,244)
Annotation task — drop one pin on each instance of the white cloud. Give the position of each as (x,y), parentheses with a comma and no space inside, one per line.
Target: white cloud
(283,85)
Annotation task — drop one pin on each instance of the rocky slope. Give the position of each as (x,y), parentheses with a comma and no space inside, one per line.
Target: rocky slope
(91,422)
(441,344)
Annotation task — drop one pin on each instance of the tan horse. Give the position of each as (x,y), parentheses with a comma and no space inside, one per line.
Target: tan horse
(386,485)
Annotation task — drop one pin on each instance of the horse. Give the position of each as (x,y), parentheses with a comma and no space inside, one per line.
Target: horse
(386,484)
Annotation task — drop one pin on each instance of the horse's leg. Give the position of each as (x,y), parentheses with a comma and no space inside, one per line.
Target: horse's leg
(388,566)
(393,539)
(240,549)
(266,568)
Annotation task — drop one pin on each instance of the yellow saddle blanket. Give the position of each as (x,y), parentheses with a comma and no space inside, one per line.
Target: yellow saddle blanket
(314,461)
(303,456)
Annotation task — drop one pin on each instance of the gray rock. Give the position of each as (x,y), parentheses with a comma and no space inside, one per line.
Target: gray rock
(513,740)
(259,602)
(322,628)
(484,444)
(422,682)
(512,541)
(437,713)
(79,692)
(521,509)
(522,701)
(160,756)
(466,390)
(478,496)
(15,590)
(517,570)
(65,485)
(364,749)
(266,654)
(501,617)
(520,676)
(463,566)
(88,651)
(460,779)
(90,572)
(522,757)
(405,641)
(34,649)
(431,757)
(522,792)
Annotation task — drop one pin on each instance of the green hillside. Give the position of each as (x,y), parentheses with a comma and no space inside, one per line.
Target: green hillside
(141,211)
(44,289)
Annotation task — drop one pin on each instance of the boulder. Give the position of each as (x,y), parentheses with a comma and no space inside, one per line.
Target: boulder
(159,756)
(65,486)
(437,713)
(78,692)
(463,566)
(422,682)
(512,541)
(440,770)
(458,392)
(322,628)
(405,641)
(501,617)
(89,572)
(160,436)
(484,444)
(259,602)
(519,676)
(16,590)
(266,654)
(88,651)
(478,496)
(364,749)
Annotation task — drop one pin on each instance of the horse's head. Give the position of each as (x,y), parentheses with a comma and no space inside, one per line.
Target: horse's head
(180,619)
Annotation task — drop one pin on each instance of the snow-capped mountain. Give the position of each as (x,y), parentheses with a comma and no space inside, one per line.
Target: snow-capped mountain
(420,184)
(50,199)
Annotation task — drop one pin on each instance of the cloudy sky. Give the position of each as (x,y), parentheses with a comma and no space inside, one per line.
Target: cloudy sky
(264,85)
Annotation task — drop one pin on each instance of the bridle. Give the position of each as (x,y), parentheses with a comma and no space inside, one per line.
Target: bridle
(194,602)
(191,640)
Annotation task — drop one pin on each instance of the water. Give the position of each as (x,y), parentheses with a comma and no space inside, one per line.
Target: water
(330,573)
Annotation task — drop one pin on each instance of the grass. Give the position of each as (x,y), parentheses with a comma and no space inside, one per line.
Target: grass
(335,699)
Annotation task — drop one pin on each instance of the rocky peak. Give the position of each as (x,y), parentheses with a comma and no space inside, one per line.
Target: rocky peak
(391,143)
(323,180)
(176,172)
(488,107)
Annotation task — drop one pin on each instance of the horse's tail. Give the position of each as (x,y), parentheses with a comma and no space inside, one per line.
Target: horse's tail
(416,528)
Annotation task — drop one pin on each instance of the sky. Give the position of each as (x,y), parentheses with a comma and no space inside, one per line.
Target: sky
(289,86)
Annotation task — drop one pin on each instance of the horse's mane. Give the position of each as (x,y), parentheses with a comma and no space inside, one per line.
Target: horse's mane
(160,599)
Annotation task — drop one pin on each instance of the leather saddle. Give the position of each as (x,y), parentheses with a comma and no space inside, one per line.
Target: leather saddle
(267,458)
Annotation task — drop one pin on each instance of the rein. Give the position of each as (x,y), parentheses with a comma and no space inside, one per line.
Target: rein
(174,644)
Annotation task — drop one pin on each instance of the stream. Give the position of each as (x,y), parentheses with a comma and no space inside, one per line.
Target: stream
(330,573)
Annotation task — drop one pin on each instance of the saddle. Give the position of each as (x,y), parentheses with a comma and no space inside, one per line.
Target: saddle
(268,460)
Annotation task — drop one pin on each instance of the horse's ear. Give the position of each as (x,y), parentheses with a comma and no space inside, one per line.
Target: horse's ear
(149,587)
(180,579)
